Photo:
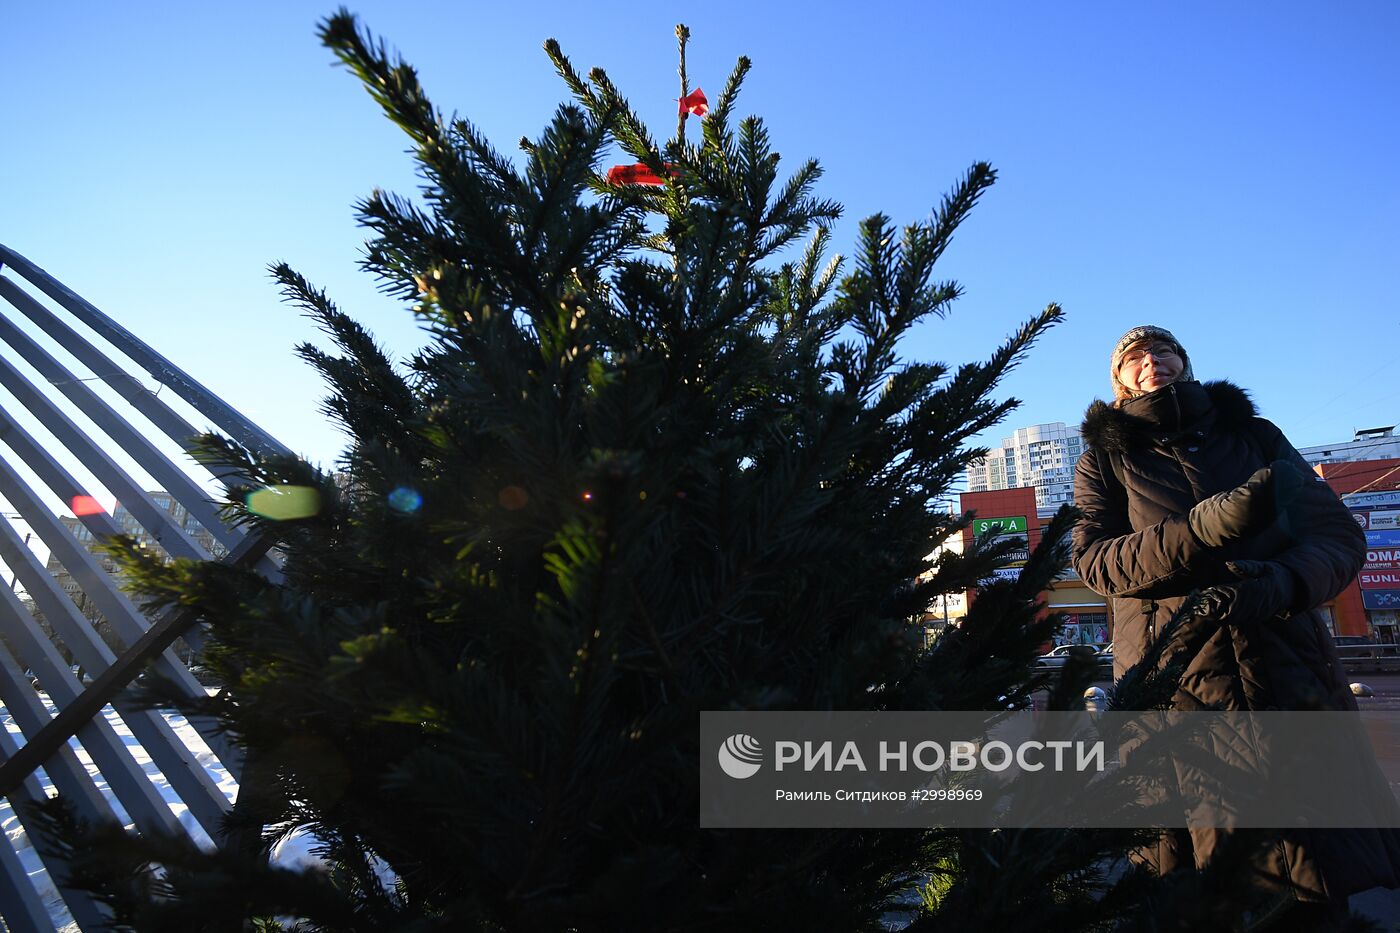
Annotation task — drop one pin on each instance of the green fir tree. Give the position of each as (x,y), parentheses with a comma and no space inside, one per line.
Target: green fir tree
(657,457)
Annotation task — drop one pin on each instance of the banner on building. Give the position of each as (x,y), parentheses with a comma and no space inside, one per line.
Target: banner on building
(1376,519)
(1382,559)
(1382,519)
(1356,499)
(1380,599)
(1387,538)
(1010,524)
(1379,579)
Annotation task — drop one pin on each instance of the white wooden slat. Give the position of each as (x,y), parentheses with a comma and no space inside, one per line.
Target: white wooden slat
(154,519)
(205,402)
(127,784)
(170,477)
(128,620)
(18,909)
(194,785)
(123,775)
(132,390)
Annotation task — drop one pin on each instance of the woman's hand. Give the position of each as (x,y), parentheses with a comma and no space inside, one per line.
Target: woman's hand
(1248,508)
(1265,589)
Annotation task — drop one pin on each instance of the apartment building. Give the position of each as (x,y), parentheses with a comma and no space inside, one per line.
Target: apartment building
(1367,444)
(1041,457)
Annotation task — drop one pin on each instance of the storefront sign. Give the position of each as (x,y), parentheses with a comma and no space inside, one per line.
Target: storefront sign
(1376,519)
(1379,579)
(1382,559)
(1355,499)
(1388,538)
(1007,525)
(1382,519)
(1380,599)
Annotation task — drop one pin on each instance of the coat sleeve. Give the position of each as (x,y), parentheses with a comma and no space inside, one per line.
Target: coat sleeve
(1329,548)
(1114,560)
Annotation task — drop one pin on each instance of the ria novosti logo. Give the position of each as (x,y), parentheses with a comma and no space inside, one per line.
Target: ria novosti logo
(740,756)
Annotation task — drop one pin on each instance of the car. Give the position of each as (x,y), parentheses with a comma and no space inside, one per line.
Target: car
(1105,655)
(1355,646)
(1059,656)
(1352,647)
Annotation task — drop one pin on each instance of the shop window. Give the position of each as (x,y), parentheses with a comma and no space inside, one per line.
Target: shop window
(1385,625)
(1084,628)
(1326,613)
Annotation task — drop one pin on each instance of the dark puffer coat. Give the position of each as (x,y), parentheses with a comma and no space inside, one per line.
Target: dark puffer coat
(1149,461)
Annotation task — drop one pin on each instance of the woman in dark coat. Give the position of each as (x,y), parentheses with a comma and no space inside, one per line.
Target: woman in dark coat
(1184,487)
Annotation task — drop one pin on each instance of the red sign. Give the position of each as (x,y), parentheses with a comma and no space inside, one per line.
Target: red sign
(1382,558)
(1380,580)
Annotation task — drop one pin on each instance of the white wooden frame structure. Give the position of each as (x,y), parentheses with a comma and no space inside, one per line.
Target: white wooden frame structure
(83,332)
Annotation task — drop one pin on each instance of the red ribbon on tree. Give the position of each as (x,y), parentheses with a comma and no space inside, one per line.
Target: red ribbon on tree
(639,174)
(695,103)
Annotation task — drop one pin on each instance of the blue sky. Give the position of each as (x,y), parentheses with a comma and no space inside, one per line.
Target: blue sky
(1224,170)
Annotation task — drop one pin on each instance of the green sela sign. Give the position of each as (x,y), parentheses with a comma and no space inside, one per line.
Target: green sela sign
(1012,524)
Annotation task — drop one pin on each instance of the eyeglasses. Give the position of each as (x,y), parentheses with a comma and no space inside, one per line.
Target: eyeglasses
(1158,351)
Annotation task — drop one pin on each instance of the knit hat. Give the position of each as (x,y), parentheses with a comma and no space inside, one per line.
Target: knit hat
(1137,335)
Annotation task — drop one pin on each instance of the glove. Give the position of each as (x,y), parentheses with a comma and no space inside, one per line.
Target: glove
(1271,575)
(1247,508)
(1265,590)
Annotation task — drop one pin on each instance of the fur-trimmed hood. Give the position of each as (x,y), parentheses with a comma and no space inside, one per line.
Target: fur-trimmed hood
(1167,411)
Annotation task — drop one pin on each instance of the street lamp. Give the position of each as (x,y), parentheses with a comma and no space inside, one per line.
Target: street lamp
(14,582)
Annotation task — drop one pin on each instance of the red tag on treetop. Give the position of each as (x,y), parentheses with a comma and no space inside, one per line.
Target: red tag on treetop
(695,103)
(639,174)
